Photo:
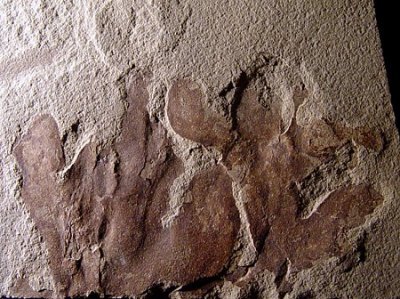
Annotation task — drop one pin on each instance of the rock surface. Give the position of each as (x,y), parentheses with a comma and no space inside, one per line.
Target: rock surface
(193,149)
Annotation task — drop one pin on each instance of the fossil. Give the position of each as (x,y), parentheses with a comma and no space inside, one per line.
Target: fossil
(101,217)
(102,221)
(282,173)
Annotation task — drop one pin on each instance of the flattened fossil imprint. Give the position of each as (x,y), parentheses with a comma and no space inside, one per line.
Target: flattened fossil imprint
(299,199)
(102,221)
(102,224)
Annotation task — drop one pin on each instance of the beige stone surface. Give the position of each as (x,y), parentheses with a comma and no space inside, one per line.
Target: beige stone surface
(263,130)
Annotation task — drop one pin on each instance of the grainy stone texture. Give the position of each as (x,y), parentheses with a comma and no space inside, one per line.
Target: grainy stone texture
(196,149)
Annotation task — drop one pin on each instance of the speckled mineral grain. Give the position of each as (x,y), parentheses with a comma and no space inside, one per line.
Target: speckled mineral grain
(194,149)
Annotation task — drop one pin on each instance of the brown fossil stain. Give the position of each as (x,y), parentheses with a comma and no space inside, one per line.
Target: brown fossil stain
(101,221)
(193,119)
(101,218)
(41,157)
(271,166)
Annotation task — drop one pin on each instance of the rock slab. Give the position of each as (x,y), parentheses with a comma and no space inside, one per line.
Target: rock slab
(154,149)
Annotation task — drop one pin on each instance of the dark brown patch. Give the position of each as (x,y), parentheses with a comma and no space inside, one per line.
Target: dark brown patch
(269,165)
(102,223)
(254,121)
(304,241)
(371,139)
(317,139)
(191,118)
(102,220)
(40,156)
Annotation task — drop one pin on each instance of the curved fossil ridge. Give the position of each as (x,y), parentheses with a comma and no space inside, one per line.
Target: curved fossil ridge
(298,201)
(102,223)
